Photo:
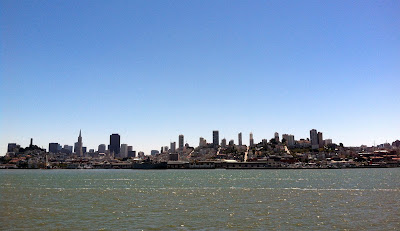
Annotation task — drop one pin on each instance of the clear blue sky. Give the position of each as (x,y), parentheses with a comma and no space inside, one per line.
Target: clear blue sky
(151,70)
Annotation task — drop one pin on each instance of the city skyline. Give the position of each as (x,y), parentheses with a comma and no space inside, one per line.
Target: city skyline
(151,71)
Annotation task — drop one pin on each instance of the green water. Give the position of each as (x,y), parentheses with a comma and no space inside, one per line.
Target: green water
(322,199)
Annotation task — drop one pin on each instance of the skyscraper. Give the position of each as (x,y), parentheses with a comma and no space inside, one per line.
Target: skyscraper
(173,147)
(314,139)
(223,143)
(215,138)
(123,151)
(240,138)
(115,147)
(79,151)
(320,140)
(53,147)
(181,140)
(102,148)
(251,139)
(276,136)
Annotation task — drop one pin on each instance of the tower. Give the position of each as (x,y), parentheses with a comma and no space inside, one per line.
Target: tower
(251,139)
(314,139)
(79,151)
(240,138)
(181,141)
(215,138)
(115,144)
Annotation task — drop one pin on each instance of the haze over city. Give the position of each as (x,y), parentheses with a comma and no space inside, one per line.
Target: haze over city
(152,70)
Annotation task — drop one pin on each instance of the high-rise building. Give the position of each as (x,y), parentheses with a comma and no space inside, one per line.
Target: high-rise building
(240,139)
(289,139)
(320,140)
(102,148)
(314,139)
(115,144)
(276,136)
(53,147)
(123,151)
(130,148)
(84,150)
(215,138)
(223,143)
(131,154)
(172,147)
(181,140)
(202,142)
(12,147)
(79,151)
(251,139)
(327,141)
(154,152)
(231,143)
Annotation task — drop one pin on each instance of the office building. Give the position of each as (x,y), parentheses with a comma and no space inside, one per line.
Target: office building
(181,140)
(223,143)
(102,148)
(231,143)
(172,147)
(78,147)
(251,139)
(53,147)
(320,140)
(123,151)
(131,154)
(276,136)
(314,139)
(12,147)
(115,144)
(215,138)
(240,139)
(154,152)
(289,139)
(202,142)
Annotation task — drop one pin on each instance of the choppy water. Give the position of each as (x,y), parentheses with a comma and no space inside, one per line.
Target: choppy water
(366,199)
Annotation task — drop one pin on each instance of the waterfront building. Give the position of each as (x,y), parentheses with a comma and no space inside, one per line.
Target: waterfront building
(215,138)
(276,136)
(79,150)
(123,151)
(53,147)
(115,147)
(251,139)
(314,139)
(102,148)
(240,139)
(181,140)
(320,140)
(154,152)
(172,147)
(223,143)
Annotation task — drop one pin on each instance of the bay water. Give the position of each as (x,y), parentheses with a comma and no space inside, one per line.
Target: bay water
(303,199)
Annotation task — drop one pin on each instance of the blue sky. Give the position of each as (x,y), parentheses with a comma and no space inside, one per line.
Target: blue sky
(151,70)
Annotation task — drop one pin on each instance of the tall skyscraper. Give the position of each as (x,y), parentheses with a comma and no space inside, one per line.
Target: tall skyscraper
(240,138)
(115,144)
(124,151)
(173,147)
(320,140)
(181,140)
(251,139)
(314,139)
(79,151)
(215,138)
(53,147)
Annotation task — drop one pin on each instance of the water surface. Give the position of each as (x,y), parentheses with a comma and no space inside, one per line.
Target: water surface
(304,199)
